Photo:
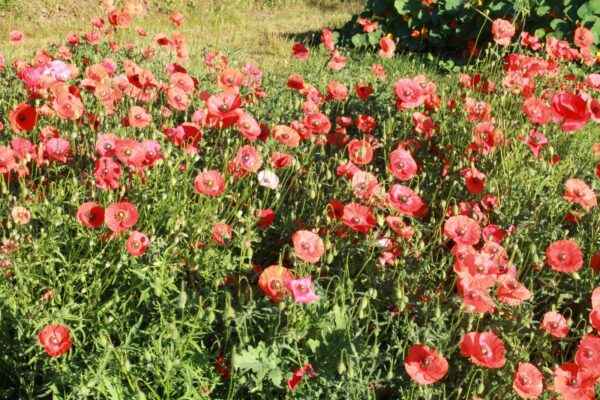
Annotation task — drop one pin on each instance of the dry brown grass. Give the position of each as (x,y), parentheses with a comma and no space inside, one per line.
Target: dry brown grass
(261,31)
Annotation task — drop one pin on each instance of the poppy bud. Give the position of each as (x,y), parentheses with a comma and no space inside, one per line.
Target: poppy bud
(182,298)
(380,220)
(312,194)
(229,312)
(211,317)
(375,351)
(364,302)
(341,368)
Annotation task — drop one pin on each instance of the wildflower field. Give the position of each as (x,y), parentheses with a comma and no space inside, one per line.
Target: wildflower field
(198,205)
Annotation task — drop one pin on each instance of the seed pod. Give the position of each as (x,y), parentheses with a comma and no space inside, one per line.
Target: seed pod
(341,368)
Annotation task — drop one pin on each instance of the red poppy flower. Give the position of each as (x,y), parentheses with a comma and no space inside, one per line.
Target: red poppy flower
(137,243)
(536,141)
(564,256)
(56,339)
(595,262)
(387,47)
(405,200)
(210,183)
(485,349)
(16,37)
(577,191)
(527,381)
(22,118)
(130,152)
(463,230)
(474,179)
(107,173)
(360,151)
(57,149)
(425,365)
(300,51)
(402,164)
(295,82)
(222,234)
(178,99)
(248,127)
(271,281)
(570,111)
(281,160)
(537,111)
(120,216)
(363,91)
(337,91)
(299,374)
(358,217)
(317,122)
(555,324)
(286,135)
(265,217)
(90,214)
(573,383)
(308,246)
(177,18)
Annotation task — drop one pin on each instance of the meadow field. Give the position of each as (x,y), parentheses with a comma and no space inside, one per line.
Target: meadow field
(223,199)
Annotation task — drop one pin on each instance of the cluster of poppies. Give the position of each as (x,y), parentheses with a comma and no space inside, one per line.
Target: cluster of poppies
(383,200)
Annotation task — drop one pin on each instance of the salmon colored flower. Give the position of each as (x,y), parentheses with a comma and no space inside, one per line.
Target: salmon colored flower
(139,118)
(463,230)
(476,300)
(328,39)
(555,324)
(512,292)
(131,153)
(178,99)
(56,339)
(20,215)
(537,111)
(137,243)
(308,246)
(485,349)
(301,290)
(425,365)
(528,381)
(360,151)
(16,37)
(564,256)
(536,141)
(271,281)
(177,18)
(583,37)
(503,31)
(90,214)
(22,118)
(120,216)
(209,183)
(588,354)
(577,191)
(571,382)
(337,91)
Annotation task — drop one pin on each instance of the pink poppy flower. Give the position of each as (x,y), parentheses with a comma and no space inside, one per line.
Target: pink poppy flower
(308,246)
(503,31)
(301,290)
(137,243)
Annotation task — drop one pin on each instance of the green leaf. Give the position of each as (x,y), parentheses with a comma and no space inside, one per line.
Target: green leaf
(247,360)
(583,11)
(313,344)
(594,6)
(454,5)
(275,375)
(359,40)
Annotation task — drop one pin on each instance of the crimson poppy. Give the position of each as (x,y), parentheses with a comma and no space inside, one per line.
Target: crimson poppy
(120,216)
(22,118)
(90,214)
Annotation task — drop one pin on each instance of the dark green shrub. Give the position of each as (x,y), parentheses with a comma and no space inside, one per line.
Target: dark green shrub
(460,24)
